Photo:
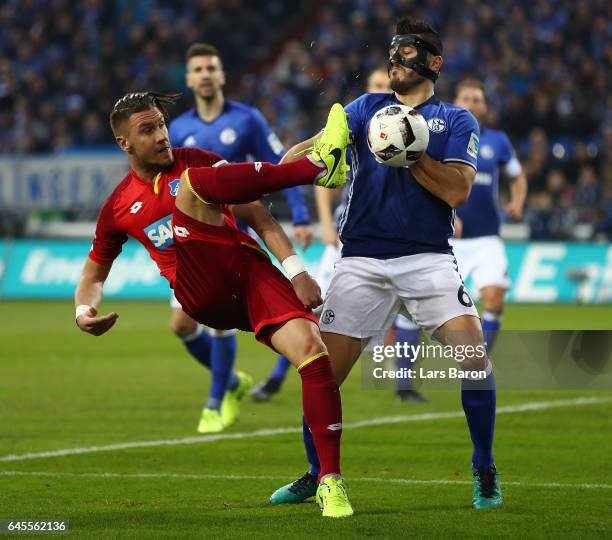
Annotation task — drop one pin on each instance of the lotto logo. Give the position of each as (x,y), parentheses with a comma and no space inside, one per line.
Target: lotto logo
(135,207)
(181,232)
(383,136)
(160,232)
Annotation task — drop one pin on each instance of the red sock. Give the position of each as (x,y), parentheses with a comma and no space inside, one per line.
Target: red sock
(323,412)
(239,183)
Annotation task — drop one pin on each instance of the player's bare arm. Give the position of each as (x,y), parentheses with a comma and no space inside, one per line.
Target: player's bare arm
(451,182)
(302,234)
(518,194)
(323,198)
(300,149)
(88,297)
(256,216)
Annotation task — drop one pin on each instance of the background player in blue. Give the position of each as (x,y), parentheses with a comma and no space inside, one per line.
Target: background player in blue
(396,255)
(238,133)
(479,249)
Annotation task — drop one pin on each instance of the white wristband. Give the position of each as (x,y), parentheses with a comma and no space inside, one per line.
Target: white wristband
(293,266)
(81,310)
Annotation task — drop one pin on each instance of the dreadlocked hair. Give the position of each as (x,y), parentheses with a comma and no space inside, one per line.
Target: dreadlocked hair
(140,101)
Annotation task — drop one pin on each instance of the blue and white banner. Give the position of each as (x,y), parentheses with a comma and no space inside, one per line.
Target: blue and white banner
(61,181)
(540,272)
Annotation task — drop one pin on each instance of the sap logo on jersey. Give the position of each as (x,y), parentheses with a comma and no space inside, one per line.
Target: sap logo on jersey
(174,185)
(160,232)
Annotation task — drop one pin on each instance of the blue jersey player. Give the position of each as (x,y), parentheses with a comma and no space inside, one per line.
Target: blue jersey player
(238,133)
(396,254)
(479,249)
(378,82)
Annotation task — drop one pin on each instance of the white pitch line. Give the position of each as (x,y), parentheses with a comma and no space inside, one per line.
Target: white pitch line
(185,476)
(385,420)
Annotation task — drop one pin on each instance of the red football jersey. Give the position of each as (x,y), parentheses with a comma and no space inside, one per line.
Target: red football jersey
(143,210)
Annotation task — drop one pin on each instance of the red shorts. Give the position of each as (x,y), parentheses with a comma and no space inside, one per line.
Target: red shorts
(225,280)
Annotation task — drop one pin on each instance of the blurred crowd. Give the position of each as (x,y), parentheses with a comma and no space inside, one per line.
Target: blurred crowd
(546,64)
(65,62)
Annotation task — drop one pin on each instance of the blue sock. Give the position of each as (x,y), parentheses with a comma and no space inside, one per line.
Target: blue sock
(280,369)
(411,337)
(223,355)
(311,451)
(199,344)
(490,327)
(478,400)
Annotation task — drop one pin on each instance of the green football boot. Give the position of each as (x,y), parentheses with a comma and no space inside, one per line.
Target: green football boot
(230,406)
(332,498)
(330,148)
(296,492)
(210,421)
(487,491)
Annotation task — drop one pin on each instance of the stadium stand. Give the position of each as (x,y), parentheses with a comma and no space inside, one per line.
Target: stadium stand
(547,67)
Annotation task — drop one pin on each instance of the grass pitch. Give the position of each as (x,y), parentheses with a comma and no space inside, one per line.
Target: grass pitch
(63,390)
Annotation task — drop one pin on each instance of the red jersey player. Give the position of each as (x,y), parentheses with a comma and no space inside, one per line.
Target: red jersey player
(221,276)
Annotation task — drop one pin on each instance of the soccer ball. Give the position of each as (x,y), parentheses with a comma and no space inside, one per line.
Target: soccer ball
(397,135)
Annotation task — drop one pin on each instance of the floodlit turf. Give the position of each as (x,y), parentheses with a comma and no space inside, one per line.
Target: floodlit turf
(61,389)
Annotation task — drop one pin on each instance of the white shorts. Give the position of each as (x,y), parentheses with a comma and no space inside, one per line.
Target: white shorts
(175,304)
(366,294)
(325,272)
(483,258)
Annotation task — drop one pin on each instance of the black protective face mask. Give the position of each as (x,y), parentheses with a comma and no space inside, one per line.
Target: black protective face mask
(419,62)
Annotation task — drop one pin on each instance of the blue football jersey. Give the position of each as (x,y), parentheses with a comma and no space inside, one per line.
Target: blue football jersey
(240,133)
(388,213)
(480,215)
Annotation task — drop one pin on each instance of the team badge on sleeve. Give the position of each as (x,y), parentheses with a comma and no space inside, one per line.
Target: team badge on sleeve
(472,148)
